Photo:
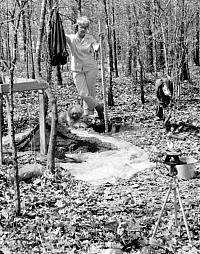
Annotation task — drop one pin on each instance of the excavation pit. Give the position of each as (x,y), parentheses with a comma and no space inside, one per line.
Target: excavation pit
(94,158)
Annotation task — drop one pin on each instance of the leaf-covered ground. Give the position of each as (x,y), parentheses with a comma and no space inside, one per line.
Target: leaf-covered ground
(63,215)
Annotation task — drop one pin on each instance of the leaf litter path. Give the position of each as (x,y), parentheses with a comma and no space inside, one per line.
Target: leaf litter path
(107,166)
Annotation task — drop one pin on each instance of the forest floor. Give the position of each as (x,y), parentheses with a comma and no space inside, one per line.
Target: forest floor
(63,215)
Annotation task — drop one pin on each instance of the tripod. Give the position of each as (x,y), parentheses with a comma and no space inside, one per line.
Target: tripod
(172,159)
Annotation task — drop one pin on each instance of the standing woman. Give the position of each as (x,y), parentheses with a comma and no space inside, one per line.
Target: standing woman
(82,47)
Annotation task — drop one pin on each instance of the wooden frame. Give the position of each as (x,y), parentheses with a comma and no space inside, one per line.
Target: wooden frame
(20,85)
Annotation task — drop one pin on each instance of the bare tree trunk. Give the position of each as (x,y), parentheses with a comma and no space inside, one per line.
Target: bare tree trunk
(184,61)
(59,75)
(51,99)
(165,50)
(49,67)
(1,46)
(197,43)
(149,37)
(110,56)
(8,53)
(129,51)
(108,27)
(154,37)
(114,41)
(24,31)
(142,93)
(53,134)
(161,40)
(103,76)
(79,6)
(13,145)
(11,117)
(40,37)
(30,43)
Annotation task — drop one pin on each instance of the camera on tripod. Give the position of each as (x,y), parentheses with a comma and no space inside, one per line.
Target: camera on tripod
(172,159)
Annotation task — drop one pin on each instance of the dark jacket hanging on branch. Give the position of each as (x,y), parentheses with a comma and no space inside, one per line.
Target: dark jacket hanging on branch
(58,49)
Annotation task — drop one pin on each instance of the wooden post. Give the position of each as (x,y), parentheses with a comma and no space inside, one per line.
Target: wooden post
(43,143)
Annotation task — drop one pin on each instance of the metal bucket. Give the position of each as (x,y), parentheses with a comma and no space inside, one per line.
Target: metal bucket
(186,171)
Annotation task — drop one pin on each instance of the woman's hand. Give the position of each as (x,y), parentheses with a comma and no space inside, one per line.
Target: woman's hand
(96,46)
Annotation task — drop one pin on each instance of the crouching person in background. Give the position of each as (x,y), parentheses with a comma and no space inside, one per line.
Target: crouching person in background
(164,94)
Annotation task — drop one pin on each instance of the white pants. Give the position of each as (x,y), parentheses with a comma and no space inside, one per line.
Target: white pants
(86,85)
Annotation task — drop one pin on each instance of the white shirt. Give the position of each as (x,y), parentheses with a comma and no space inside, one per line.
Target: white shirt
(81,50)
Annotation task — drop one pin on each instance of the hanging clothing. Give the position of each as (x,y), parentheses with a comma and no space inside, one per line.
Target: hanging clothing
(57,45)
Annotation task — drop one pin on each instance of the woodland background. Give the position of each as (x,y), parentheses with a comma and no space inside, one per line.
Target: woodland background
(140,36)
(142,40)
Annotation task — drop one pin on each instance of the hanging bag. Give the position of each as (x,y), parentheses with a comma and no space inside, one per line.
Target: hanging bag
(58,48)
